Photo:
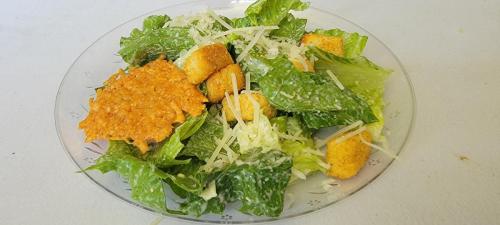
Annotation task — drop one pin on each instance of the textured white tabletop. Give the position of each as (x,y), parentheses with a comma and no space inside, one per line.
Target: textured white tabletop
(451,51)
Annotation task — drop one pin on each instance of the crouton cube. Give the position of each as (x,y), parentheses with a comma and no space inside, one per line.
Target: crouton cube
(349,156)
(221,82)
(303,65)
(326,43)
(246,106)
(205,61)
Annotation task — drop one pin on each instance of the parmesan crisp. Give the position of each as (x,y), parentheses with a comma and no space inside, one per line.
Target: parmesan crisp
(141,107)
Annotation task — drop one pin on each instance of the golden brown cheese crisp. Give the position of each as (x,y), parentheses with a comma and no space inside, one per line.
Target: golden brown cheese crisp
(141,107)
(331,44)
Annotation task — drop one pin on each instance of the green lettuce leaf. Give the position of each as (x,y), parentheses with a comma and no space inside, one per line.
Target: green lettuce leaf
(360,75)
(303,160)
(191,170)
(316,120)
(145,180)
(354,43)
(255,65)
(271,12)
(154,40)
(301,150)
(258,133)
(166,154)
(291,28)
(155,22)
(293,91)
(241,22)
(259,182)
(197,206)
(202,144)
(194,204)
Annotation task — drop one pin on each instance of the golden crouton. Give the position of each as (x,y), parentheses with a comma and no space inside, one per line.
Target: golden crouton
(246,106)
(205,61)
(303,65)
(222,81)
(348,157)
(142,105)
(330,44)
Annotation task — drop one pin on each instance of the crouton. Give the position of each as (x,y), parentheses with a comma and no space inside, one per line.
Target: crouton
(221,82)
(246,106)
(348,157)
(205,61)
(326,43)
(303,65)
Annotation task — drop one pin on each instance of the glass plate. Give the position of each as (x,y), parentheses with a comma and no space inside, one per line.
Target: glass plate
(100,60)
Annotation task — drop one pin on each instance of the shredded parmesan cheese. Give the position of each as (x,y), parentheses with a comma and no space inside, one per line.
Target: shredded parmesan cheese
(221,21)
(390,154)
(314,152)
(247,81)
(350,134)
(335,80)
(209,166)
(233,109)
(323,164)
(236,94)
(209,192)
(291,137)
(256,108)
(298,174)
(250,45)
(244,29)
(354,125)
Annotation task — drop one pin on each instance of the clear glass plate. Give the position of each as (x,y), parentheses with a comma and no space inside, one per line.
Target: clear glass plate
(100,60)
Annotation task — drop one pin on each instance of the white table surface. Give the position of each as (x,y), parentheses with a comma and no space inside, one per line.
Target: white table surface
(450,48)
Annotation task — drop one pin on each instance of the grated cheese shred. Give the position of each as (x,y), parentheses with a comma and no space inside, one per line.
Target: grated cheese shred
(298,174)
(350,135)
(383,150)
(221,21)
(244,29)
(335,80)
(250,45)
(354,125)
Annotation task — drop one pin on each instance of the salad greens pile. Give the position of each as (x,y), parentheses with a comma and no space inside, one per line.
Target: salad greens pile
(265,155)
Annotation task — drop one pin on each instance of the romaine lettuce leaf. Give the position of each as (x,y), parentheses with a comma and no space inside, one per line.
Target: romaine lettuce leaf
(165,155)
(293,91)
(145,180)
(202,143)
(193,204)
(154,40)
(255,65)
(353,43)
(360,75)
(155,22)
(258,133)
(241,22)
(290,28)
(259,182)
(271,12)
(197,206)
(301,149)
(316,120)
